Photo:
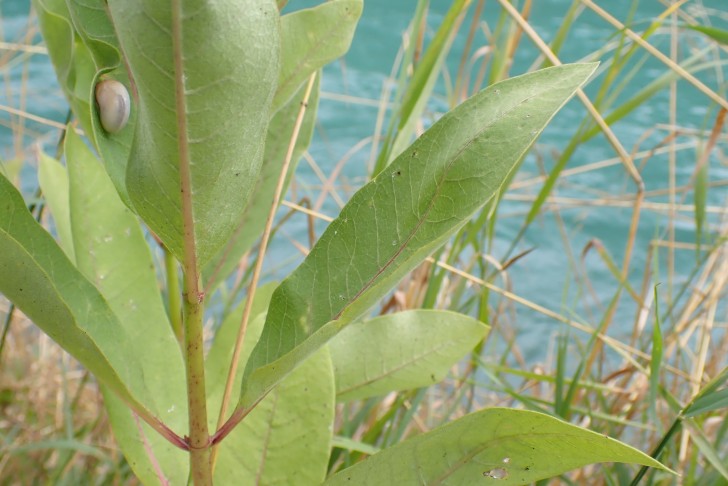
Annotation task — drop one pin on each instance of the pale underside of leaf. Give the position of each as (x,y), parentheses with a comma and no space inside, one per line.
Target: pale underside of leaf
(200,110)
(44,284)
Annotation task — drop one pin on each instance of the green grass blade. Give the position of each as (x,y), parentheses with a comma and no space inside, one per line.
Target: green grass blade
(420,87)
(656,361)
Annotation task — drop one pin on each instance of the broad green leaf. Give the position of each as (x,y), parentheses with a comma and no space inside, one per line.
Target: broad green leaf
(201,110)
(112,252)
(252,223)
(494,446)
(40,280)
(404,214)
(312,38)
(400,351)
(83,49)
(53,181)
(288,435)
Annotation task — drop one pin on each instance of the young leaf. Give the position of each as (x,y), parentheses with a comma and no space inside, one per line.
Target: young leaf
(312,38)
(112,252)
(202,112)
(493,446)
(400,351)
(402,215)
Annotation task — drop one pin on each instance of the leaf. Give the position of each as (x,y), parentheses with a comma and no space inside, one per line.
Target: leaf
(220,355)
(400,351)
(112,252)
(312,38)
(252,223)
(53,181)
(353,445)
(494,446)
(712,456)
(93,25)
(11,168)
(718,35)
(287,438)
(701,199)
(711,397)
(656,358)
(83,48)
(403,215)
(289,434)
(214,130)
(40,280)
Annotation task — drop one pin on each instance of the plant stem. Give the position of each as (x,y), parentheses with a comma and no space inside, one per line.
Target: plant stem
(199,439)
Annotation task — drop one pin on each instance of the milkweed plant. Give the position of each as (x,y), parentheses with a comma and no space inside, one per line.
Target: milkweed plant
(188,118)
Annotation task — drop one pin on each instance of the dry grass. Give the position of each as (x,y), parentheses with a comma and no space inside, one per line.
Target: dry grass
(52,422)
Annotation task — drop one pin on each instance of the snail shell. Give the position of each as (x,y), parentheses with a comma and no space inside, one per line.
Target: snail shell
(114,105)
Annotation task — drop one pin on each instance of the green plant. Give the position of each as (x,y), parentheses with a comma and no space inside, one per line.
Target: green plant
(205,122)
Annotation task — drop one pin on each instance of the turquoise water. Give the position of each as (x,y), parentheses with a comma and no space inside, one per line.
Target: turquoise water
(544,275)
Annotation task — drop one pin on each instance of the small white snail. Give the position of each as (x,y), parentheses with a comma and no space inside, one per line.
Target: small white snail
(114,105)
